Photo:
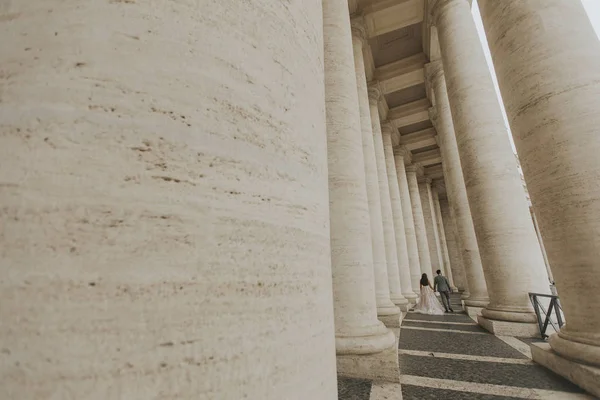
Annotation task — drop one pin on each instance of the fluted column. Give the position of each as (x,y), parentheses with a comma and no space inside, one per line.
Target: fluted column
(357,328)
(417,210)
(409,223)
(386,310)
(456,261)
(430,226)
(547,59)
(510,255)
(387,130)
(442,236)
(386,205)
(164,201)
(441,118)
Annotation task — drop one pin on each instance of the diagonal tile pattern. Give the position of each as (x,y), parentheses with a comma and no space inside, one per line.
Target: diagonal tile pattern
(441,358)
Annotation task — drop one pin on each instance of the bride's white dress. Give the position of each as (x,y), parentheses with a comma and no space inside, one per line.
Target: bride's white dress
(428,303)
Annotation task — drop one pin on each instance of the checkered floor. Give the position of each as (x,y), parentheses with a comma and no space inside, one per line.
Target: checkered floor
(450,357)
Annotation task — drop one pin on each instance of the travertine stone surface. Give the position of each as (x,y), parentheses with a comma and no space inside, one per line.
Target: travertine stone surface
(429,218)
(403,263)
(442,237)
(409,223)
(547,59)
(456,261)
(417,209)
(385,307)
(165,221)
(386,205)
(456,191)
(510,255)
(357,329)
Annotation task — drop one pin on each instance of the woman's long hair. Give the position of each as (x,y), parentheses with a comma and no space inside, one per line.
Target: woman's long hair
(424,280)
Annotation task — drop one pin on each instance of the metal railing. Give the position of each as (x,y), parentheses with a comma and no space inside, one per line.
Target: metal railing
(544,317)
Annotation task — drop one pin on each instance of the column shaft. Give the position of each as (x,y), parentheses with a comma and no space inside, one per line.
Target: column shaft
(385,307)
(386,205)
(409,222)
(430,228)
(145,237)
(417,209)
(547,59)
(511,258)
(398,219)
(357,328)
(442,237)
(456,190)
(456,261)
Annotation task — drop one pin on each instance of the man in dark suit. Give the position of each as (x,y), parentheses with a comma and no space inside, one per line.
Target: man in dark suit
(441,284)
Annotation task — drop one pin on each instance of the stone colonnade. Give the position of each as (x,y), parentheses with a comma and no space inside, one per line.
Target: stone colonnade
(133,219)
(550,82)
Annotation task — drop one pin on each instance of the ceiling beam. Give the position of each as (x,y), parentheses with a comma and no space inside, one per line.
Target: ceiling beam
(401,74)
(419,139)
(389,15)
(428,158)
(410,113)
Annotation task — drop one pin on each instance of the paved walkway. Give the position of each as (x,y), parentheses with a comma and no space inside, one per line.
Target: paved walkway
(450,357)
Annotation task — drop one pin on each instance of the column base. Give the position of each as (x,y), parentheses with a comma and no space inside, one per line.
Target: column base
(391,321)
(375,342)
(507,328)
(472,311)
(584,376)
(405,307)
(411,297)
(382,366)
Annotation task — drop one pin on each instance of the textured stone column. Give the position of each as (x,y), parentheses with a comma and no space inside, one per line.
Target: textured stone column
(357,329)
(409,223)
(442,237)
(476,296)
(547,59)
(456,261)
(398,220)
(386,310)
(430,226)
(386,205)
(510,255)
(417,209)
(165,217)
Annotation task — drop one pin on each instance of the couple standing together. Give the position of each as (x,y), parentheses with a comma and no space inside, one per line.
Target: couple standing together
(428,302)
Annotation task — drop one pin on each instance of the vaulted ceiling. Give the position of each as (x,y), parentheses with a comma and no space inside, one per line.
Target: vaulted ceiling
(399,45)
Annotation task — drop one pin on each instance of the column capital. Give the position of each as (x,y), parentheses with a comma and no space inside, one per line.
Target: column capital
(434,71)
(401,151)
(359,30)
(387,127)
(414,168)
(375,92)
(439,185)
(437,7)
(434,117)
(424,179)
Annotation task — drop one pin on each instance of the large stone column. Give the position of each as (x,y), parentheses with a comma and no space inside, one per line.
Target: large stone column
(398,220)
(417,209)
(511,258)
(476,296)
(164,201)
(386,205)
(547,59)
(442,236)
(409,223)
(386,310)
(357,329)
(430,226)
(456,261)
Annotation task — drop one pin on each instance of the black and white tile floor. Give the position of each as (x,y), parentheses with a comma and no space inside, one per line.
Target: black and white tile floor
(450,357)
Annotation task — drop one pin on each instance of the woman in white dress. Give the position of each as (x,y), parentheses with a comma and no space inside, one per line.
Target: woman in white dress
(428,303)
